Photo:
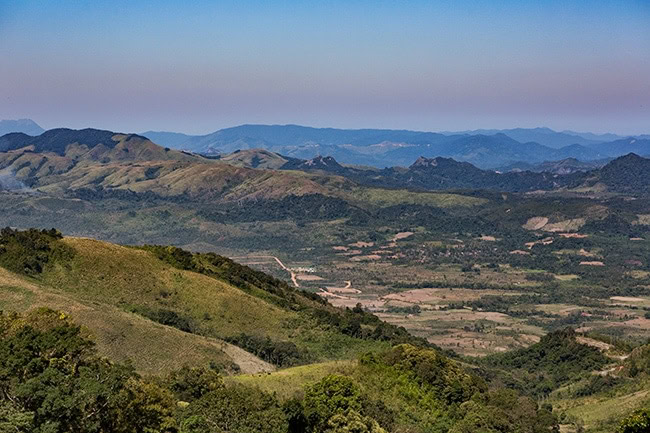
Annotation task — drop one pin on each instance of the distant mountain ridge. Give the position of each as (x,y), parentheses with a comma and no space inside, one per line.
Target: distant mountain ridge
(91,158)
(89,144)
(627,174)
(561,167)
(26,126)
(384,147)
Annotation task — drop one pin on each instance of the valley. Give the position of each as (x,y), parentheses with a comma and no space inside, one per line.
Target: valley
(279,273)
(473,270)
(324,217)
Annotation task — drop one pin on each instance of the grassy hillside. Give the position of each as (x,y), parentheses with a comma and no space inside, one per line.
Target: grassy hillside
(209,297)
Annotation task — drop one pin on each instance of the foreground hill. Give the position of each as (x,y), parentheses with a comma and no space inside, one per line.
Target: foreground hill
(124,294)
(161,307)
(54,381)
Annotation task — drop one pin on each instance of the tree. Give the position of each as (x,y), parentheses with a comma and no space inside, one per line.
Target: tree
(638,422)
(352,422)
(13,419)
(189,384)
(144,407)
(331,396)
(238,409)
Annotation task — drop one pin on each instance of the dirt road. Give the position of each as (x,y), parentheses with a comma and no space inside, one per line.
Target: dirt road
(292,274)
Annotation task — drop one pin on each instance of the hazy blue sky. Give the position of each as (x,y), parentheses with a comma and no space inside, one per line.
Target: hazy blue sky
(430,65)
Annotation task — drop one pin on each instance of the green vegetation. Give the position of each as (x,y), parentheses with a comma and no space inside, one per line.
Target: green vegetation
(52,381)
(207,295)
(28,251)
(638,422)
(545,366)
(209,298)
(476,272)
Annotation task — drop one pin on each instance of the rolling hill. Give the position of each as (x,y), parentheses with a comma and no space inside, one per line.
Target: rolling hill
(271,350)
(63,161)
(152,302)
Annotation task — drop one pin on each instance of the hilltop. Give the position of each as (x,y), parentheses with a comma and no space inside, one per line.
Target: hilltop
(623,174)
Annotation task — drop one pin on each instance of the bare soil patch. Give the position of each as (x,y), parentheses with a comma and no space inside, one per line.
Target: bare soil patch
(626,299)
(535,223)
(307,277)
(402,235)
(362,244)
(600,345)
(365,258)
(573,235)
(571,225)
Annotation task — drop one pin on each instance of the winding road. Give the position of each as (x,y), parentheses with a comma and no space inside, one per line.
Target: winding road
(294,279)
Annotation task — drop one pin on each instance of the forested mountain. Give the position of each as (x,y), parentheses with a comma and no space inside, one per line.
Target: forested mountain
(562,167)
(640,146)
(545,136)
(624,174)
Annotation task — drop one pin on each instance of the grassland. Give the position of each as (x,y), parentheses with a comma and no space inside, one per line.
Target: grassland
(121,335)
(290,382)
(385,197)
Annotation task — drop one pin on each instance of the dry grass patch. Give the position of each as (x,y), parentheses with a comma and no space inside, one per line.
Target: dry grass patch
(120,335)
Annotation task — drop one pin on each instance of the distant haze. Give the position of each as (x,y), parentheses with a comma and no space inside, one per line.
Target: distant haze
(196,67)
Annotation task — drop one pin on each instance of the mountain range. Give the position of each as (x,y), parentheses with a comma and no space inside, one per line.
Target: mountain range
(628,173)
(486,149)
(382,148)
(65,159)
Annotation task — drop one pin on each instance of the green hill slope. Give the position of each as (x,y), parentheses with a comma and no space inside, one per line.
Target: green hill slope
(206,297)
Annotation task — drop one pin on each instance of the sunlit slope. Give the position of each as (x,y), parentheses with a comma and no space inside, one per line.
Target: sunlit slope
(133,279)
(121,335)
(206,297)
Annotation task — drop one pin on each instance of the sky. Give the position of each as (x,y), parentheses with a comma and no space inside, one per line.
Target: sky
(199,66)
